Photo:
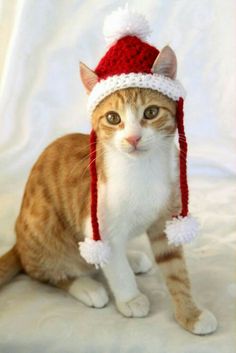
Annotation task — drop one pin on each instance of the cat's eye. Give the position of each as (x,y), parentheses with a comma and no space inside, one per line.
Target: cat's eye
(151,112)
(113,118)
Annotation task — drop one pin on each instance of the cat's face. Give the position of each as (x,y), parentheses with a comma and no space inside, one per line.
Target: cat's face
(135,121)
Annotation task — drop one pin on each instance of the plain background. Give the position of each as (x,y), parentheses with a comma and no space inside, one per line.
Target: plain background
(41,98)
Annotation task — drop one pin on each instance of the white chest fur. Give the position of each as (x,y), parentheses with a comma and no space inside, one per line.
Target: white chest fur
(137,189)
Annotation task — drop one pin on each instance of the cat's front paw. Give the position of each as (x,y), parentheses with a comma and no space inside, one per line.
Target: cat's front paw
(205,324)
(137,307)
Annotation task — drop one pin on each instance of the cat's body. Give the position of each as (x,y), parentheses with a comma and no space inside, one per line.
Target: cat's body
(137,166)
(56,207)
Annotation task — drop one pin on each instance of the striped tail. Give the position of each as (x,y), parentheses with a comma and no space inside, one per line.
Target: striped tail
(10,265)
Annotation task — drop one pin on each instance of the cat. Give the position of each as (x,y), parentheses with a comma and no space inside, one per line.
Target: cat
(137,166)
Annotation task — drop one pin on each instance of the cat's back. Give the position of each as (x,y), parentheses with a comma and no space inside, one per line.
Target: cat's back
(56,177)
(69,147)
(63,154)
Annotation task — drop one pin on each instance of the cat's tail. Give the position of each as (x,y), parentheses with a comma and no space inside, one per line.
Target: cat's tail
(10,265)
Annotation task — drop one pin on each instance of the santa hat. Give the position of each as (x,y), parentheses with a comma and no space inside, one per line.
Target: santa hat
(129,63)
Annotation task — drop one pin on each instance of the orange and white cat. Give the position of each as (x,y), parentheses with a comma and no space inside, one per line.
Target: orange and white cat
(137,164)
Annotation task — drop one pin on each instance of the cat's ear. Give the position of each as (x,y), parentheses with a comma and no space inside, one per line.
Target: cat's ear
(88,77)
(166,63)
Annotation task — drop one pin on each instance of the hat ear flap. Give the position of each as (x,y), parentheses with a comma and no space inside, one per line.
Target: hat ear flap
(165,63)
(88,77)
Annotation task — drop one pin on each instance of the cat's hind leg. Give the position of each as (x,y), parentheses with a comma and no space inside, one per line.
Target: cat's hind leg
(87,290)
(139,261)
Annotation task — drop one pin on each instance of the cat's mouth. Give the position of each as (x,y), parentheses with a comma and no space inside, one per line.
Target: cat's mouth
(133,150)
(136,150)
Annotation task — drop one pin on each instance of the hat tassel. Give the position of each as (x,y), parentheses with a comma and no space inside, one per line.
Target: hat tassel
(94,250)
(183,228)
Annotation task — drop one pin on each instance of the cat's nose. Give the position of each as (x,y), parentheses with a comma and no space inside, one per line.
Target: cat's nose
(133,140)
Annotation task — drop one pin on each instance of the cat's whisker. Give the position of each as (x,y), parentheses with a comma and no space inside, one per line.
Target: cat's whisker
(91,161)
(82,160)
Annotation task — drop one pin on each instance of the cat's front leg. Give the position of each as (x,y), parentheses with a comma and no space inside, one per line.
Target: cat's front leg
(129,300)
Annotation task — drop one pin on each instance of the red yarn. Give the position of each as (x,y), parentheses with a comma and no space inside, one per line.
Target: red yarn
(182,158)
(128,54)
(93,186)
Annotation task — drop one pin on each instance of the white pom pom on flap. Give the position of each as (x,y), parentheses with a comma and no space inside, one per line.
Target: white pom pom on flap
(181,230)
(124,22)
(95,252)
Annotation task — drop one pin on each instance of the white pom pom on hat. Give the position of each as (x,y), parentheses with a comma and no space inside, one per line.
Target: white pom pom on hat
(96,252)
(124,22)
(181,230)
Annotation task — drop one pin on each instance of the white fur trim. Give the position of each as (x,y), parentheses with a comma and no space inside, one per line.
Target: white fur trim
(181,230)
(123,22)
(95,252)
(171,88)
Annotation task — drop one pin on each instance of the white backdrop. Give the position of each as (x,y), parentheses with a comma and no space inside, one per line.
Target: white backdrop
(41,96)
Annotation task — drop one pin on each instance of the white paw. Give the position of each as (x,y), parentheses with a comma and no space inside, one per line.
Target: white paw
(139,261)
(89,292)
(137,307)
(206,323)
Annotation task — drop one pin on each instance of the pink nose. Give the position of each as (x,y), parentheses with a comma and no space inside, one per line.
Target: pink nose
(133,140)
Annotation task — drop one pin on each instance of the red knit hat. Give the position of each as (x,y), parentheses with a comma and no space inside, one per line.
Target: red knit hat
(128,63)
